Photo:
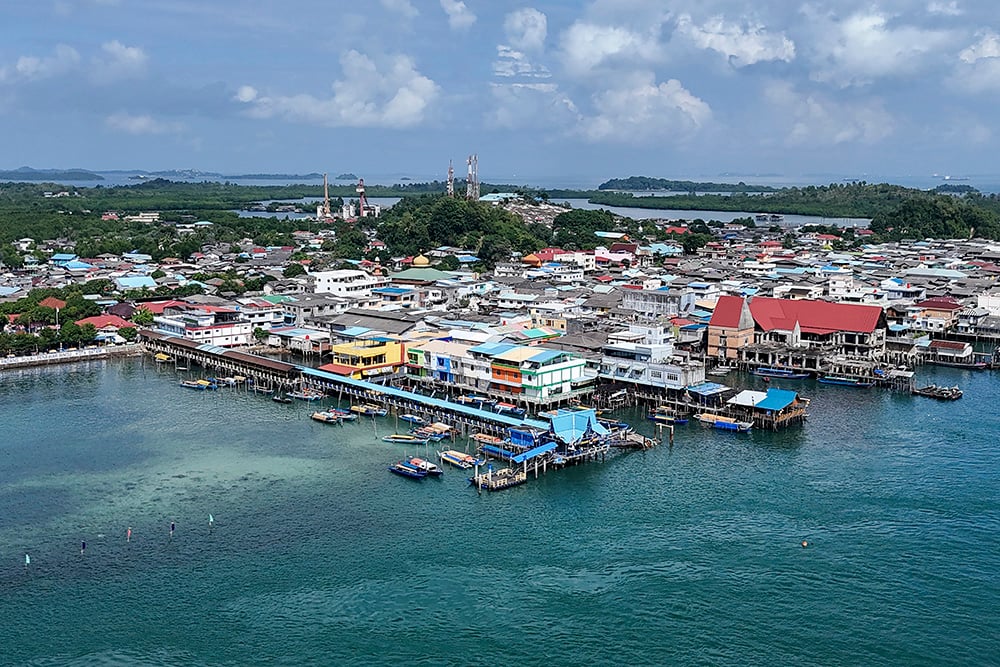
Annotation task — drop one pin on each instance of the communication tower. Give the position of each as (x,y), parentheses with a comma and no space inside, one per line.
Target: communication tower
(451,180)
(472,181)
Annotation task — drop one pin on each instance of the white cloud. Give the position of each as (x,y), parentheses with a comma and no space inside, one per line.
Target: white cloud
(867,45)
(816,120)
(511,63)
(945,8)
(526,29)
(742,44)
(140,124)
(395,96)
(246,94)
(988,46)
(587,46)
(32,68)
(459,16)
(981,69)
(639,109)
(401,7)
(518,105)
(118,61)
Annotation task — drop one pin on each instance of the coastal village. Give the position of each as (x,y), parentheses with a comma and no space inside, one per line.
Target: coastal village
(530,357)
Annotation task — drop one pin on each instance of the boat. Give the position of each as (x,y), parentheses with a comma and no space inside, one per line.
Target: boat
(781,373)
(404,438)
(428,433)
(281,398)
(940,393)
(369,410)
(724,423)
(458,459)
(200,385)
(404,470)
(476,401)
(487,439)
(326,417)
(508,409)
(774,217)
(497,480)
(427,466)
(413,419)
(307,394)
(614,424)
(846,381)
(345,415)
(159,357)
(664,415)
(971,366)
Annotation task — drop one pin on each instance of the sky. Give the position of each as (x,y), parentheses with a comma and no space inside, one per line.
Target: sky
(550,90)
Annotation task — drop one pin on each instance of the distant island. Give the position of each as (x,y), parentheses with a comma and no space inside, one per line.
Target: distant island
(347,177)
(648,184)
(29,174)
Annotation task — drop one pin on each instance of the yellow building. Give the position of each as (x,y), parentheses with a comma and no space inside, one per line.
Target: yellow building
(362,359)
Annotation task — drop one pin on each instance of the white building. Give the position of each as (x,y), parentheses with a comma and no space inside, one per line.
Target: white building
(347,282)
(205,324)
(644,356)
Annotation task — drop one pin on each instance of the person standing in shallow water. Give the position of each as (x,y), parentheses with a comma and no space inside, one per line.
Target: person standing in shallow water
(172,526)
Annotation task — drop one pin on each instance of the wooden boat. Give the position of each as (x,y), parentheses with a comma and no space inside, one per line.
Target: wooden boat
(404,438)
(664,415)
(940,393)
(413,419)
(458,459)
(307,394)
(508,409)
(326,417)
(159,357)
(487,439)
(724,423)
(200,385)
(369,410)
(846,381)
(971,366)
(428,433)
(480,402)
(404,470)
(780,373)
(345,415)
(427,466)
(281,398)
(497,480)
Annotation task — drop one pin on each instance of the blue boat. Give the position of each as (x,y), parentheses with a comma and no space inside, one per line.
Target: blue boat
(509,409)
(781,373)
(846,381)
(664,415)
(406,470)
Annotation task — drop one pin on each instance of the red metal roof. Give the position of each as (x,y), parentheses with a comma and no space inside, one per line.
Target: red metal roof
(947,345)
(813,316)
(105,321)
(727,312)
(942,303)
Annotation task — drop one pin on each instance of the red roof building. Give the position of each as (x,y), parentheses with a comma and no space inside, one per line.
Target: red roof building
(52,302)
(105,322)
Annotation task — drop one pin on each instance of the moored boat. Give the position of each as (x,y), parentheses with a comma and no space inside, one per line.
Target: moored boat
(508,409)
(404,438)
(369,410)
(403,470)
(307,394)
(427,466)
(664,415)
(326,417)
(201,385)
(844,381)
(724,423)
(281,398)
(159,357)
(413,419)
(780,373)
(458,459)
(345,415)
(940,393)
(487,439)
(497,480)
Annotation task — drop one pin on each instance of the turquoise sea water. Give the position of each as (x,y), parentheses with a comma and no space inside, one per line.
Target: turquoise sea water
(680,555)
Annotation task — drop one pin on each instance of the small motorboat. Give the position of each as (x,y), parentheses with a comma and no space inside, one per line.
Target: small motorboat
(307,395)
(425,465)
(487,439)
(281,398)
(369,410)
(345,415)
(458,459)
(405,470)
(404,438)
(413,419)
(326,417)
(846,381)
(508,409)
(200,385)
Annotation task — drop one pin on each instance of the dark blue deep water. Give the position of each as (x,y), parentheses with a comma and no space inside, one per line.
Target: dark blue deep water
(680,555)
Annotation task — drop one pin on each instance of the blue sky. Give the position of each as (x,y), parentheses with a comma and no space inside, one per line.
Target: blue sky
(540,90)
